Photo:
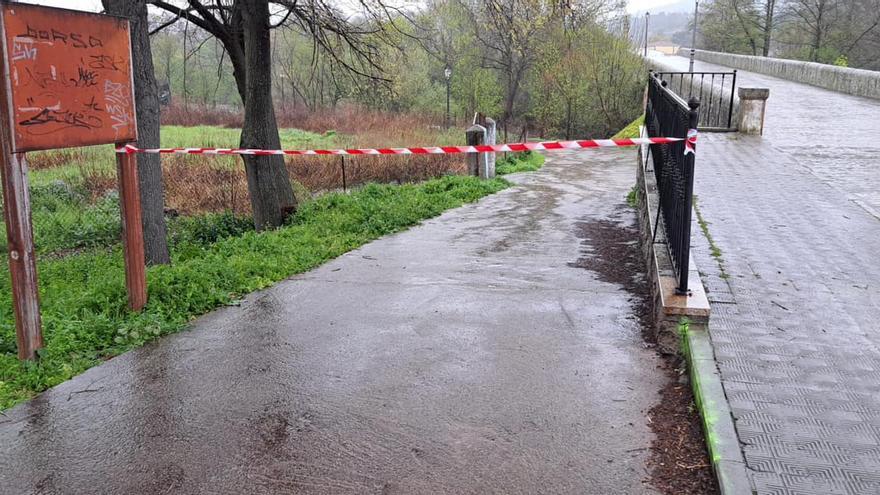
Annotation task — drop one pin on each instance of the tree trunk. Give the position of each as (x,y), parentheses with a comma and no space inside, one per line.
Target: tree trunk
(769,7)
(817,38)
(147,103)
(271,194)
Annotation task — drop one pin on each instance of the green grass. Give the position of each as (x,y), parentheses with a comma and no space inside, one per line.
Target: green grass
(63,217)
(519,162)
(215,261)
(632,197)
(631,130)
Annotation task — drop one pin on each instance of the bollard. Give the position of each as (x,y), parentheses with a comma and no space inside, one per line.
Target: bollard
(487,169)
(474,135)
(752,105)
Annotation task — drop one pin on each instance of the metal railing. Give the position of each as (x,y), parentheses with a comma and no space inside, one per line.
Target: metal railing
(715,91)
(666,114)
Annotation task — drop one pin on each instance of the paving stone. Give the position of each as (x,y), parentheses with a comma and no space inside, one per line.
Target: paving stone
(796,340)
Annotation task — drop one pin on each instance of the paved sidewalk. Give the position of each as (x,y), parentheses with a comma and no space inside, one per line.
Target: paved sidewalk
(796,326)
(472,354)
(833,136)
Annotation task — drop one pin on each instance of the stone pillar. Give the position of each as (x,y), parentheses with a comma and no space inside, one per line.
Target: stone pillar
(475,135)
(752,104)
(487,166)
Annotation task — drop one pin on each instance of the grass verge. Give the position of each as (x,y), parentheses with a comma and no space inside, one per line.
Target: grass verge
(85,317)
(519,162)
(631,130)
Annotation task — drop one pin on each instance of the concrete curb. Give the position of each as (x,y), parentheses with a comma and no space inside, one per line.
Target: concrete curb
(721,438)
(692,319)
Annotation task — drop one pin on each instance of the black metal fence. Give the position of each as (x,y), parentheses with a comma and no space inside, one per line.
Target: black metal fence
(715,90)
(668,115)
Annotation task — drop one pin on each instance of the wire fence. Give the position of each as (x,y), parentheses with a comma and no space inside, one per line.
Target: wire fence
(75,202)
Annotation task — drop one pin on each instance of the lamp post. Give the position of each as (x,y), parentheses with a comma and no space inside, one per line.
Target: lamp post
(647,16)
(694,35)
(448,73)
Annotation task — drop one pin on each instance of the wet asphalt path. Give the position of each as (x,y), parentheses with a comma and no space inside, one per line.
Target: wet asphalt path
(466,355)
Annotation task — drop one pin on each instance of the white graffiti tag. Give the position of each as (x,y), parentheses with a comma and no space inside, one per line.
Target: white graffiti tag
(23,49)
(117,104)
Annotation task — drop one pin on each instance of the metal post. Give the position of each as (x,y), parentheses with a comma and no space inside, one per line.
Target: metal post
(132,229)
(684,261)
(447,104)
(448,73)
(342,163)
(647,15)
(730,106)
(694,36)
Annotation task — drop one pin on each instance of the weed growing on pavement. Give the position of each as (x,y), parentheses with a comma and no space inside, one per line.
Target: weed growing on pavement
(714,250)
(632,197)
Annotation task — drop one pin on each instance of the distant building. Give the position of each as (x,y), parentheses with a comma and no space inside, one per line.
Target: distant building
(664,47)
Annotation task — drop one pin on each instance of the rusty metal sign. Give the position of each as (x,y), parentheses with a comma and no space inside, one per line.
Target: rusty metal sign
(69,76)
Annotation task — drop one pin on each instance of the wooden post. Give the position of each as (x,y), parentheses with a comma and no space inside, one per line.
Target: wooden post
(132,229)
(19,232)
(20,238)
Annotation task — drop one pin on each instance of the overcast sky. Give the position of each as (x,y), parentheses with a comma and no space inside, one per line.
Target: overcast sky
(95,5)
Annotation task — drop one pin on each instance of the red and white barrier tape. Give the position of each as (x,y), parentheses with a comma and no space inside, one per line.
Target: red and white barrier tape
(431,150)
(690,143)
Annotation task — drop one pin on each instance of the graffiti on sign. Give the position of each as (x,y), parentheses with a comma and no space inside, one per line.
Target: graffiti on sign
(69,77)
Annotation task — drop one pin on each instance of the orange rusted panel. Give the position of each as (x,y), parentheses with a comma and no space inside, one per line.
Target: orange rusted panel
(69,76)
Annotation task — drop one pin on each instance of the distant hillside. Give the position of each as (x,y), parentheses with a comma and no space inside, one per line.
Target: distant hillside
(684,6)
(663,25)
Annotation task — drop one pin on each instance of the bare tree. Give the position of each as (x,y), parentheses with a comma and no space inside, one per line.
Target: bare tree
(817,17)
(147,102)
(242,27)
(767,26)
(508,31)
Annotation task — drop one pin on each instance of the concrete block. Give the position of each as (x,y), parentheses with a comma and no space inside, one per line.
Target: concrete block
(487,165)
(752,104)
(475,135)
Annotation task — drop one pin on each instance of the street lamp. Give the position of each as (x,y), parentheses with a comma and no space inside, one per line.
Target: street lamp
(694,35)
(647,16)
(448,73)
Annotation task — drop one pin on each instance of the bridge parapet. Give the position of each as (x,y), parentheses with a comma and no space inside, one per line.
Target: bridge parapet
(858,82)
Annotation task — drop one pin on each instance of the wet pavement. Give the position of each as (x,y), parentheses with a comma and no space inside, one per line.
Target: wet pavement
(796,295)
(476,353)
(832,135)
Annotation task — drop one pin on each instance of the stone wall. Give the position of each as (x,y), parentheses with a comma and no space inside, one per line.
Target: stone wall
(843,79)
